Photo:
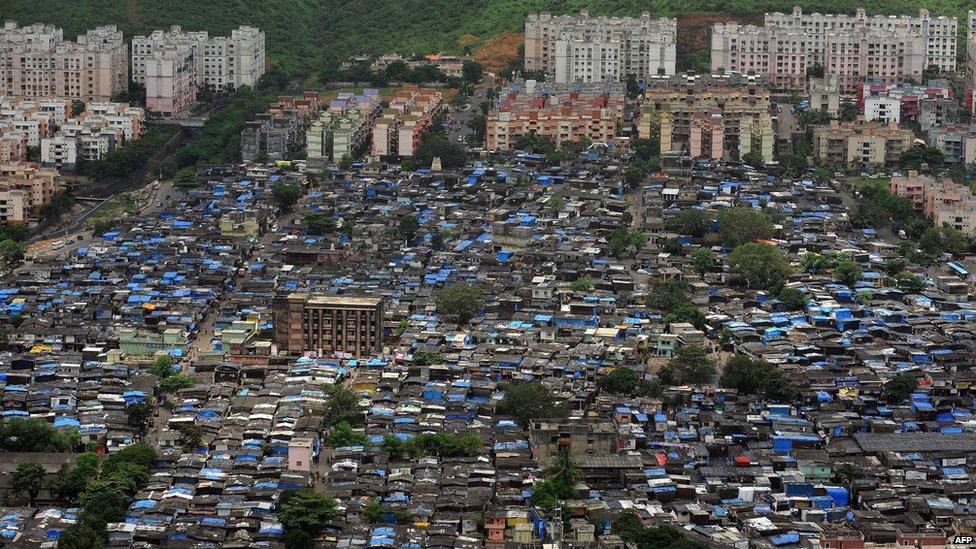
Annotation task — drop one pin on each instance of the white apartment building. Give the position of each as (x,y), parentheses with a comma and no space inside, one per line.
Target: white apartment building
(882,108)
(60,151)
(221,61)
(853,47)
(586,49)
(36,62)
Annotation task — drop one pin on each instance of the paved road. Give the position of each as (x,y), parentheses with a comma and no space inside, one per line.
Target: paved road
(460,131)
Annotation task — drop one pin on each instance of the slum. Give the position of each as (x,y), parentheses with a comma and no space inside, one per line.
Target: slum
(215,281)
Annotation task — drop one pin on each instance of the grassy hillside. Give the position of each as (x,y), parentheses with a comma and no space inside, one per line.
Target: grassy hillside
(305,35)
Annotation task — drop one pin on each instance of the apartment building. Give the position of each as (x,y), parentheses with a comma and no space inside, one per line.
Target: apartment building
(171,80)
(971,49)
(329,325)
(280,131)
(956,141)
(855,48)
(345,128)
(943,201)
(825,94)
(929,105)
(37,62)
(599,49)
(101,128)
(717,116)
(221,62)
(13,146)
(560,113)
(860,144)
(400,126)
(24,188)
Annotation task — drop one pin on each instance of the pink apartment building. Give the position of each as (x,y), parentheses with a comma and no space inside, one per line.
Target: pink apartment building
(170,78)
(558,115)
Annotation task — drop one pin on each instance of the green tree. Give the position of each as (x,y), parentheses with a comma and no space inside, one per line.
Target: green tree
(11,252)
(28,479)
(192,437)
(342,435)
(687,312)
(847,272)
(635,174)
(752,377)
(666,295)
(691,221)
(645,149)
(427,358)
(137,415)
(531,400)
(704,260)
(186,178)
(895,266)
(345,162)
(582,284)
(342,404)
(897,389)
(754,159)
(319,223)
(472,72)
(462,299)
(792,298)
(737,226)
(307,512)
(691,365)
(285,194)
(621,381)
(372,512)
(622,240)
(408,227)
(556,203)
(176,382)
(36,435)
(760,266)
(162,367)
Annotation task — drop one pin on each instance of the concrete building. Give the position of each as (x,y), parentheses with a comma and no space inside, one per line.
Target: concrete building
(858,47)
(599,49)
(37,62)
(24,188)
(943,201)
(101,128)
(956,141)
(329,324)
(345,128)
(860,144)
(280,131)
(722,116)
(222,62)
(825,94)
(971,49)
(560,113)
(399,127)
(929,105)
(591,438)
(171,80)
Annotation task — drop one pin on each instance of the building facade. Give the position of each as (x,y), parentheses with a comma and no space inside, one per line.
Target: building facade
(719,117)
(599,49)
(855,48)
(24,188)
(560,113)
(956,141)
(860,144)
(329,324)
(221,62)
(943,201)
(171,80)
(37,62)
